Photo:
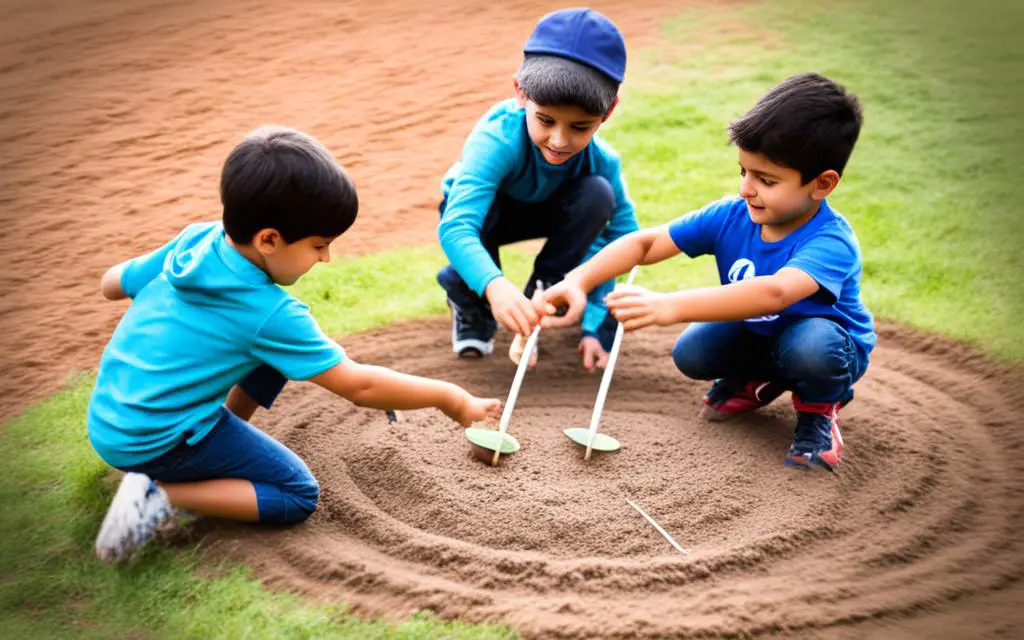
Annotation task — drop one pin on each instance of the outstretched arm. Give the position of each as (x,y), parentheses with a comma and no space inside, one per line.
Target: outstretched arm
(637,307)
(646,246)
(382,388)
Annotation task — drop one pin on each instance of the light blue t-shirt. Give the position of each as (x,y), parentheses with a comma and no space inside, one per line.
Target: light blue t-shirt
(824,248)
(499,156)
(201,319)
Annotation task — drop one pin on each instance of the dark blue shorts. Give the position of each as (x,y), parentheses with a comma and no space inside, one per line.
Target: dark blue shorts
(286,491)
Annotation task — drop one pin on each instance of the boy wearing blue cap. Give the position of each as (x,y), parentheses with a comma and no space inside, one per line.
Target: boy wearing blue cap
(789,316)
(533,167)
(210,335)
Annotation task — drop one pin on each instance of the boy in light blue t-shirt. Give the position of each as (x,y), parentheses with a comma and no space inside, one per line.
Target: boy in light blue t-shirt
(789,316)
(533,167)
(210,335)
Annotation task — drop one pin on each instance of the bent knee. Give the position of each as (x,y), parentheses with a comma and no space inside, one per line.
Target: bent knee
(304,502)
(598,196)
(292,503)
(692,361)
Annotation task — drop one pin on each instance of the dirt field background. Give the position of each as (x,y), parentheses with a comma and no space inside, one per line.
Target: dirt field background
(116,117)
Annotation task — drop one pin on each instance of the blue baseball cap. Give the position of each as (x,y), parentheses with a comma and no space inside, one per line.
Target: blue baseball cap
(582,35)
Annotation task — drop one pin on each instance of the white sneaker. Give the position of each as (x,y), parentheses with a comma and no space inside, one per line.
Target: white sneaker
(138,508)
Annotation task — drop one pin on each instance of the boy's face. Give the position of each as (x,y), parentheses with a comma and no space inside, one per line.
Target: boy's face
(774,193)
(286,262)
(559,132)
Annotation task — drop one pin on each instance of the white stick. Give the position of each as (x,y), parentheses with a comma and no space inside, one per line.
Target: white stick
(658,527)
(513,393)
(606,379)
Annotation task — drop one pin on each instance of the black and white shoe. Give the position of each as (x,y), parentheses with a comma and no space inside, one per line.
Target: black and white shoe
(472,332)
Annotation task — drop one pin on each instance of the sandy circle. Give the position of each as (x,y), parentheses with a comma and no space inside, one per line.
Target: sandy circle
(925,511)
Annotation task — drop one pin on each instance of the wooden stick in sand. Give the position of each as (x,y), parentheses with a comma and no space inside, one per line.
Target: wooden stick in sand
(657,526)
(606,379)
(513,393)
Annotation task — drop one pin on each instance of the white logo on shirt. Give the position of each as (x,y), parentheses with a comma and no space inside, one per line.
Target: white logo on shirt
(743,269)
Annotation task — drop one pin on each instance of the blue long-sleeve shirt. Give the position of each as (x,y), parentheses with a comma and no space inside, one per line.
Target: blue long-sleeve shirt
(498,156)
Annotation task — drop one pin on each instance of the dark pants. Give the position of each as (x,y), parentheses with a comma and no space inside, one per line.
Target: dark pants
(571,220)
(814,357)
(286,491)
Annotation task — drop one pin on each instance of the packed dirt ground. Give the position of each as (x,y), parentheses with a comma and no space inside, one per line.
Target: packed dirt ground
(920,527)
(116,118)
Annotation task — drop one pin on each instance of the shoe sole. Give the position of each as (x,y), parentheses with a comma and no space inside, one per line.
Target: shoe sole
(709,414)
(123,507)
(804,465)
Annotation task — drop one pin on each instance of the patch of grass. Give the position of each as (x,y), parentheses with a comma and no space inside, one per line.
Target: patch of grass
(930,188)
(355,294)
(54,494)
(929,192)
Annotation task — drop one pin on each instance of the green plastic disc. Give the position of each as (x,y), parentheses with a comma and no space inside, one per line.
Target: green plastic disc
(488,439)
(602,442)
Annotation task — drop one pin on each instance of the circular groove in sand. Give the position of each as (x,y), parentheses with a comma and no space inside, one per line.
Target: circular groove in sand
(924,511)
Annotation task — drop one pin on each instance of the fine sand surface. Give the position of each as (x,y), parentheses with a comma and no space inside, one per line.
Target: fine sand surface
(919,530)
(116,117)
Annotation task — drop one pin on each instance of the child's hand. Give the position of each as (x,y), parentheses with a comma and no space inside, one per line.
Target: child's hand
(592,354)
(510,307)
(636,307)
(469,409)
(565,293)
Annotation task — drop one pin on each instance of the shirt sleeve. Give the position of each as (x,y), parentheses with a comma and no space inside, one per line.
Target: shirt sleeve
(827,258)
(696,232)
(140,271)
(486,159)
(292,342)
(623,221)
(596,311)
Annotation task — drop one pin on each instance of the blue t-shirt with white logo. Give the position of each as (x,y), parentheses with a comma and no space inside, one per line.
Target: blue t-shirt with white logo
(201,319)
(824,248)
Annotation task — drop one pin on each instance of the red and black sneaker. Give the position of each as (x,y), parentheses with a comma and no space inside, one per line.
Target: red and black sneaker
(817,441)
(727,398)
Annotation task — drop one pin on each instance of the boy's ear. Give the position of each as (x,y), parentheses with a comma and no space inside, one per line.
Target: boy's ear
(610,109)
(520,94)
(267,240)
(824,184)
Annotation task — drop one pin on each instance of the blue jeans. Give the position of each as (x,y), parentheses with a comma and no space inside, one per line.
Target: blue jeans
(814,357)
(286,491)
(571,220)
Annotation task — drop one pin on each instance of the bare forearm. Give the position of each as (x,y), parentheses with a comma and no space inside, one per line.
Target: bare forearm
(382,388)
(387,389)
(617,258)
(737,301)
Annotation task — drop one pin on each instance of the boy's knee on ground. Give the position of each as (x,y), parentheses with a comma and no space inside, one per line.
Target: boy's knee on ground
(290,503)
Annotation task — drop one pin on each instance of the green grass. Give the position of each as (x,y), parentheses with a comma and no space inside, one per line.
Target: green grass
(931,187)
(929,191)
(54,493)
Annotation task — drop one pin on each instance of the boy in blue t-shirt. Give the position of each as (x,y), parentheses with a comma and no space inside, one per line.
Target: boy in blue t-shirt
(533,168)
(210,335)
(790,316)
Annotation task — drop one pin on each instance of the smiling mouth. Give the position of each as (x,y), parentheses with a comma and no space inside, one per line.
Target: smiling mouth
(557,154)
